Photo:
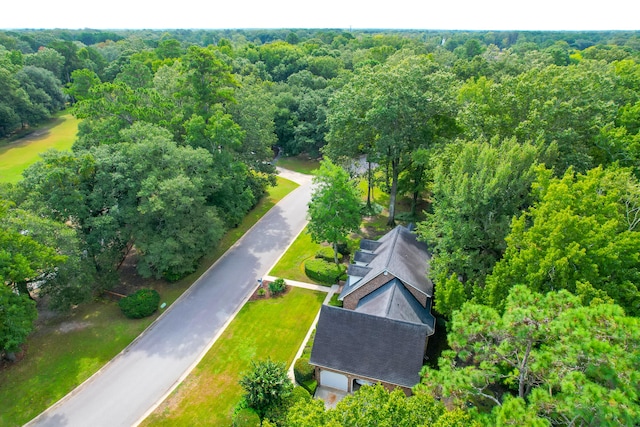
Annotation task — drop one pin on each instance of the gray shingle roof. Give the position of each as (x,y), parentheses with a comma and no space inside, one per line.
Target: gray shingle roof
(400,253)
(369,346)
(369,245)
(394,301)
(358,270)
(364,257)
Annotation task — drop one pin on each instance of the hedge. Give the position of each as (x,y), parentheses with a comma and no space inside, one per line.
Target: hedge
(326,253)
(140,304)
(310,386)
(302,370)
(323,271)
(300,394)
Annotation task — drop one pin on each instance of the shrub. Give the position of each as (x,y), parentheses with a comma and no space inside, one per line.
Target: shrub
(266,386)
(261,292)
(246,417)
(303,371)
(277,286)
(140,304)
(323,271)
(334,301)
(326,253)
(300,394)
(310,386)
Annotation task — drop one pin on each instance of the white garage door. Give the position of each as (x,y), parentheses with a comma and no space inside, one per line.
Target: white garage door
(334,380)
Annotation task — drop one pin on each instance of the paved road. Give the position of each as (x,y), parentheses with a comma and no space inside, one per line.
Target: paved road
(133,382)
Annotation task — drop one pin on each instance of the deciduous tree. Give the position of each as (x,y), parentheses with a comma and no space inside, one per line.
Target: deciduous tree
(581,233)
(334,210)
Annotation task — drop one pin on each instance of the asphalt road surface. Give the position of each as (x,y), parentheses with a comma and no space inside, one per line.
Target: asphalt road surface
(122,392)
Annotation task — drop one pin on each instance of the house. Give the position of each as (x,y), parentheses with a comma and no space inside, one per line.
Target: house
(381,332)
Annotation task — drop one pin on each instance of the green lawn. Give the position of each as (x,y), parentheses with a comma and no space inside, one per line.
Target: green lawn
(60,357)
(291,265)
(300,164)
(272,328)
(16,156)
(69,349)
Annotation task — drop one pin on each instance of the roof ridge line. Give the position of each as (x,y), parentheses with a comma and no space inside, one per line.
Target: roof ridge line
(393,246)
(393,292)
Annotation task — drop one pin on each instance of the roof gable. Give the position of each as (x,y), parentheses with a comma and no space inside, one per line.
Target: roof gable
(401,254)
(394,301)
(375,347)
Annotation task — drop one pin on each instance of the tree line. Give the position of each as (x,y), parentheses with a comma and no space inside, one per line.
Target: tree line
(524,148)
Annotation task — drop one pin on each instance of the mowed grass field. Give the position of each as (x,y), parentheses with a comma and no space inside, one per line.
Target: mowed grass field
(272,328)
(17,155)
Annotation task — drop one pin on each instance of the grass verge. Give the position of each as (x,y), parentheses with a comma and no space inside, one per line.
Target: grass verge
(16,156)
(272,328)
(300,164)
(291,265)
(67,350)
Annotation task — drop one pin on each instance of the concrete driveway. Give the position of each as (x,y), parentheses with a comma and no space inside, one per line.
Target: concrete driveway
(135,381)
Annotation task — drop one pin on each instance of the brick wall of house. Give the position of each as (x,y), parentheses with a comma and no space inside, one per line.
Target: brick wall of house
(350,302)
(419,296)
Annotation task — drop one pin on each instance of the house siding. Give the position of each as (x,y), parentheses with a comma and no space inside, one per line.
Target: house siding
(419,296)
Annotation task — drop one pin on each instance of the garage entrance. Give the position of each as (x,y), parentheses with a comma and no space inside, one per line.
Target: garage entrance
(334,380)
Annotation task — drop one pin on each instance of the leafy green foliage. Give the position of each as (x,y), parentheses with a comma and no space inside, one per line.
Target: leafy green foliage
(17,316)
(327,253)
(277,286)
(304,373)
(141,303)
(303,370)
(375,405)
(557,357)
(266,386)
(388,111)
(477,188)
(581,234)
(334,210)
(323,271)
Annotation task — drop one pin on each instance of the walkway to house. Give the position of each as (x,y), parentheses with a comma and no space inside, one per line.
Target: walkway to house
(330,396)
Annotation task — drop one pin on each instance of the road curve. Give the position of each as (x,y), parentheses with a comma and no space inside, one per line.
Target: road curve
(133,382)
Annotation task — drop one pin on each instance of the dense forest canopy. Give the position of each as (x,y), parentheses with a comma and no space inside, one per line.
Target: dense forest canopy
(522,148)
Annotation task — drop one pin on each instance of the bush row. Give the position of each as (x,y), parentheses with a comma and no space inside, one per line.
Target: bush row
(327,253)
(324,271)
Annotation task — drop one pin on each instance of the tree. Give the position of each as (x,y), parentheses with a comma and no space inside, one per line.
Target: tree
(334,210)
(47,58)
(23,259)
(563,105)
(377,406)
(547,356)
(17,316)
(70,280)
(394,108)
(477,188)
(81,83)
(581,235)
(266,386)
